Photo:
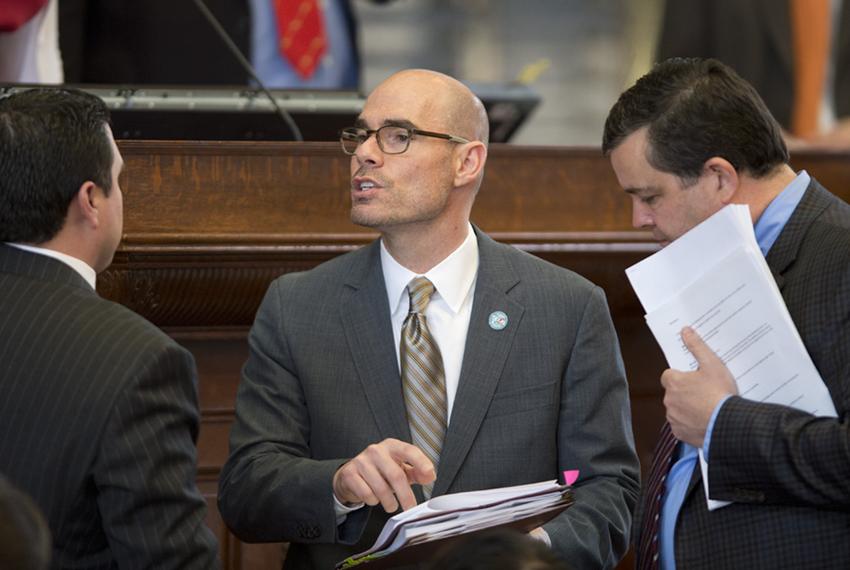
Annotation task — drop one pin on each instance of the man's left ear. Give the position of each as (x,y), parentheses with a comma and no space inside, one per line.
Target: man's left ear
(469,162)
(723,175)
(86,203)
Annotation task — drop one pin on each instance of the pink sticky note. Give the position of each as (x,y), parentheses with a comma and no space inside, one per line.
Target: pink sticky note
(570,476)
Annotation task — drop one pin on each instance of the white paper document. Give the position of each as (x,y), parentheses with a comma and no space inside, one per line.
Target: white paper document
(715,280)
(451,515)
(661,275)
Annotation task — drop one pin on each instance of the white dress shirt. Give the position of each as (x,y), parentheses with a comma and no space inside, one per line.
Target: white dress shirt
(447,315)
(448,312)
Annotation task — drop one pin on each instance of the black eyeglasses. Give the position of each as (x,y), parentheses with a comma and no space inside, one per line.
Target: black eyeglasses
(391,139)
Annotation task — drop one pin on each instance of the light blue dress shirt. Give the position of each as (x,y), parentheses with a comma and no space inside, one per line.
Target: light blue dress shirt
(767,229)
(338,68)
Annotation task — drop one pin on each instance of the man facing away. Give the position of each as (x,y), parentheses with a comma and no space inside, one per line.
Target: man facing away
(99,413)
(432,361)
(687,139)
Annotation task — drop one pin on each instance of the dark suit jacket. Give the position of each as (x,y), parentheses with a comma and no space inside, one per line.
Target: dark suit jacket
(787,471)
(754,38)
(98,418)
(152,42)
(322,382)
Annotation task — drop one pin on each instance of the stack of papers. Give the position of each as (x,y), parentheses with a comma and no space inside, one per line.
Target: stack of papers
(460,513)
(716,280)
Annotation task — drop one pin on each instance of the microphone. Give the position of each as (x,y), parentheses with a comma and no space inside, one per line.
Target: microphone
(225,37)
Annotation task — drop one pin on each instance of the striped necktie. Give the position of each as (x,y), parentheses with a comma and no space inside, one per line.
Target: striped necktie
(422,376)
(647,553)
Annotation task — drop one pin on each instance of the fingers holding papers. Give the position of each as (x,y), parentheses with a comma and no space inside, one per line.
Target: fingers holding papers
(690,397)
(382,473)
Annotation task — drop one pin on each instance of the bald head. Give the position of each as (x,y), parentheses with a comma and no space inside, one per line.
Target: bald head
(449,104)
(426,184)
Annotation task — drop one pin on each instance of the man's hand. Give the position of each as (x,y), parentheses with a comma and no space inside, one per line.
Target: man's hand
(690,397)
(382,473)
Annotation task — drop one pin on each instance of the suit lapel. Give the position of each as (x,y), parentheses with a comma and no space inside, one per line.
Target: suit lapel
(483,359)
(366,322)
(694,483)
(787,245)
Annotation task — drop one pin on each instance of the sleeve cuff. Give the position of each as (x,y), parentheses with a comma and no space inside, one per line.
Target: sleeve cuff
(540,534)
(342,510)
(706,442)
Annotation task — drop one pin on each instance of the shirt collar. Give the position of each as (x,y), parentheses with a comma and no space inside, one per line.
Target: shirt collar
(78,265)
(776,215)
(452,277)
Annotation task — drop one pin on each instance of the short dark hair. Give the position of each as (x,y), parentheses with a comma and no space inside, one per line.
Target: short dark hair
(497,549)
(25,542)
(697,109)
(51,142)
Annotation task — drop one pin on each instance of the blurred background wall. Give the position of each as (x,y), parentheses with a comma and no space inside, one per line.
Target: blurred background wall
(576,54)
(593,48)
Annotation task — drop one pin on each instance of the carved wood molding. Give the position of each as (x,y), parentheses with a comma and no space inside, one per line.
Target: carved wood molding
(186,283)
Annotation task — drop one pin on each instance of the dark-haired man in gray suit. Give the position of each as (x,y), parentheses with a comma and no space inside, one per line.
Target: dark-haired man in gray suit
(433,357)
(688,138)
(98,413)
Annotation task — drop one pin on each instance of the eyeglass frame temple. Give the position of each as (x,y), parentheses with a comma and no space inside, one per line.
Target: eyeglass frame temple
(445,136)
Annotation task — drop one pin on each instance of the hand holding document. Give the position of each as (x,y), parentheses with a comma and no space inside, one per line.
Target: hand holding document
(715,280)
(447,516)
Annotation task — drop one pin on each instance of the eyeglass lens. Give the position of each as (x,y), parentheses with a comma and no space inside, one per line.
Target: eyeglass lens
(391,139)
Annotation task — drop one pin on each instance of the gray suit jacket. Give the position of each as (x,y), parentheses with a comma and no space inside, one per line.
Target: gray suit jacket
(322,382)
(98,418)
(786,471)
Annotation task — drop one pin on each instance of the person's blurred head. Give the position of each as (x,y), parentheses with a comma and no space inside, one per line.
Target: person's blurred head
(498,549)
(56,149)
(25,542)
(680,127)
(400,177)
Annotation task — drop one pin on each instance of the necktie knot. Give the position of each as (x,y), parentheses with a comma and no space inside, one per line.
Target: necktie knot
(420,290)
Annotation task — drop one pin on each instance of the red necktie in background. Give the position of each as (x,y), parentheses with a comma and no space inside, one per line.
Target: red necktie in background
(301,34)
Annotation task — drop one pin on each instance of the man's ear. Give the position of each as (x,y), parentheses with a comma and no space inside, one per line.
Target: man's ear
(723,176)
(469,162)
(86,204)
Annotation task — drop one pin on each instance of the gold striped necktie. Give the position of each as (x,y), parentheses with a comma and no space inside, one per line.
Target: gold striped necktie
(422,376)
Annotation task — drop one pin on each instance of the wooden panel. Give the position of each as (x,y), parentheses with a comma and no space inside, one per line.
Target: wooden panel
(208,225)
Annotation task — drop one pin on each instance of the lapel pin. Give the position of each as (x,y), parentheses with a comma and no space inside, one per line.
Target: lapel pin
(498,320)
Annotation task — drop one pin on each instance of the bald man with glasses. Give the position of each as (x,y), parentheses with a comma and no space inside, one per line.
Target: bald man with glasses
(432,361)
